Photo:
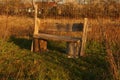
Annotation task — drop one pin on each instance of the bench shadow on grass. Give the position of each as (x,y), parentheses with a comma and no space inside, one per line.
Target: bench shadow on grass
(89,68)
(23,43)
(57,46)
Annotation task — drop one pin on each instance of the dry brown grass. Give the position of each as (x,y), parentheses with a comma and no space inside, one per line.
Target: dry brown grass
(16,26)
(23,26)
(111,27)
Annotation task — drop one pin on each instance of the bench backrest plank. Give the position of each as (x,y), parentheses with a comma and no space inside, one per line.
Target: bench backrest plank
(72,26)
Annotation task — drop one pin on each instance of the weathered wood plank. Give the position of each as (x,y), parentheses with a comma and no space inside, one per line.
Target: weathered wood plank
(55,37)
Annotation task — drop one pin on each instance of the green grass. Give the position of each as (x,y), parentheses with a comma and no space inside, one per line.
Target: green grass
(17,62)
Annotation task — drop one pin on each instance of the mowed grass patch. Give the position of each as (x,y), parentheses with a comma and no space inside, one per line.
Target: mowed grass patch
(19,63)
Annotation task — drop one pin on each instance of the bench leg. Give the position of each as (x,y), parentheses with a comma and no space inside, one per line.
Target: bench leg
(43,45)
(78,48)
(39,45)
(35,45)
(70,50)
(73,49)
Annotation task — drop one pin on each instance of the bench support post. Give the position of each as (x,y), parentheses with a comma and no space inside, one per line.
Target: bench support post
(73,49)
(84,37)
(39,45)
(43,45)
(35,45)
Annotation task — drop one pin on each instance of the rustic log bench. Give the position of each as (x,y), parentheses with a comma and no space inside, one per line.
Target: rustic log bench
(75,46)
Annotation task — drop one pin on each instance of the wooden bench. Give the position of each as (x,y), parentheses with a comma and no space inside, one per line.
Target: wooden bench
(75,46)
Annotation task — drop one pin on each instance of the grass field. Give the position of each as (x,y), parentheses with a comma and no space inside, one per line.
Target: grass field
(18,63)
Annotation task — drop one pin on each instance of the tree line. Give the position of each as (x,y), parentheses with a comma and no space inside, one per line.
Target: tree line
(105,9)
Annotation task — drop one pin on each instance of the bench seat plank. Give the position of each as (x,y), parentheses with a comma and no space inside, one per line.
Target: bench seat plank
(56,37)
